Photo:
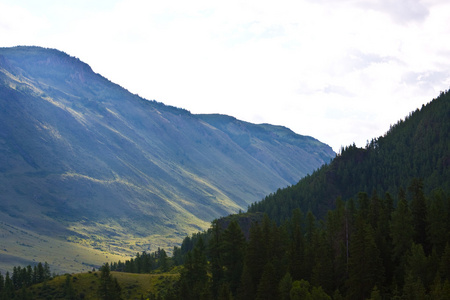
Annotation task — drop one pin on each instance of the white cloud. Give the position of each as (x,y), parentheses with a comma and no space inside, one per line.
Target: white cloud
(341,71)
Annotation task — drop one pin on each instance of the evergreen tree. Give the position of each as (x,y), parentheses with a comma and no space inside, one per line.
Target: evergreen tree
(194,278)
(246,288)
(300,290)
(224,293)
(109,288)
(323,270)
(233,252)
(267,288)
(284,287)
(2,284)
(310,244)
(437,223)
(418,267)
(215,258)
(255,258)
(419,214)
(365,265)
(317,293)
(8,290)
(444,266)
(163,261)
(69,292)
(402,236)
(297,247)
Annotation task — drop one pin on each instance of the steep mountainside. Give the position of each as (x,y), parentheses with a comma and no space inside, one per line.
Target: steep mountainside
(417,147)
(86,165)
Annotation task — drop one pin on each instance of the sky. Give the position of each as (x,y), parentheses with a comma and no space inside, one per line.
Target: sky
(341,71)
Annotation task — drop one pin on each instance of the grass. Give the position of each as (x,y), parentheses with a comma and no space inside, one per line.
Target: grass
(23,247)
(86,285)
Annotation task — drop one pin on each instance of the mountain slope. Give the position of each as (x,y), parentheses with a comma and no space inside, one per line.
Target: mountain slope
(84,161)
(417,147)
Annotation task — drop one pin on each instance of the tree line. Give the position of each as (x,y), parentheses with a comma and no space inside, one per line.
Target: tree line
(145,262)
(366,248)
(22,278)
(417,147)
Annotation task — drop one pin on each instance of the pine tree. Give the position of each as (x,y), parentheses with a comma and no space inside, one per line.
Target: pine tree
(255,258)
(8,290)
(69,292)
(437,223)
(216,265)
(109,288)
(194,278)
(365,265)
(246,288)
(310,244)
(267,287)
(233,251)
(284,287)
(300,290)
(317,293)
(444,266)
(297,247)
(163,261)
(2,284)
(323,270)
(402,237)
(419,215)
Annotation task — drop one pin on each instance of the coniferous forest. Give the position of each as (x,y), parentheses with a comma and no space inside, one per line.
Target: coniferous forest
(372,224)
(366,248)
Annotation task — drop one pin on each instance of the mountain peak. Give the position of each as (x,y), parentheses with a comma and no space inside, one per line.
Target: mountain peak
(87,160)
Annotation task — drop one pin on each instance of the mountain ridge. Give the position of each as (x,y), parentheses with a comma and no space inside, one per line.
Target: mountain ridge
(97,166)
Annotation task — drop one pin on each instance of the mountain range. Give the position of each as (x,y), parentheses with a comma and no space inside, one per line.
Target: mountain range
(90,172)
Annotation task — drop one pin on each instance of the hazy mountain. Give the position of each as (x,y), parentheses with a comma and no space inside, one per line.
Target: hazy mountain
(89,170)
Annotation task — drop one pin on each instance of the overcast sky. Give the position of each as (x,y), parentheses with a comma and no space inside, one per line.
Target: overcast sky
(341,71)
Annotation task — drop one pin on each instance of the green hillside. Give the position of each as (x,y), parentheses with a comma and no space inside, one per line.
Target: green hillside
(87,286)
(372,224)
(88,167)
(417,147)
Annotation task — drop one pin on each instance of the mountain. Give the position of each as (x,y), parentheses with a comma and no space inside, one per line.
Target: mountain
(90,172)
(415,148)
(374,223)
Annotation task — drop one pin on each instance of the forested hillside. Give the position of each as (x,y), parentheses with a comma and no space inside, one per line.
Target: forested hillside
(417,147)
(373,224)
(363,249)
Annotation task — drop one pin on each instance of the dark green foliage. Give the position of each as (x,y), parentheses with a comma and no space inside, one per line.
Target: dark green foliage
(356,241)
(417,147)
(359,252)
(69,292)
(419,214)
(109,288)
(147,262)
(215,259)
(233,253)
(401,233)
(284,287)
(194,281)
(268,285)
(366,269)
(17,284)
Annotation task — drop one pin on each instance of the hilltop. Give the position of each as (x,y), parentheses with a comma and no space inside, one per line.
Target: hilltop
(91,172)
